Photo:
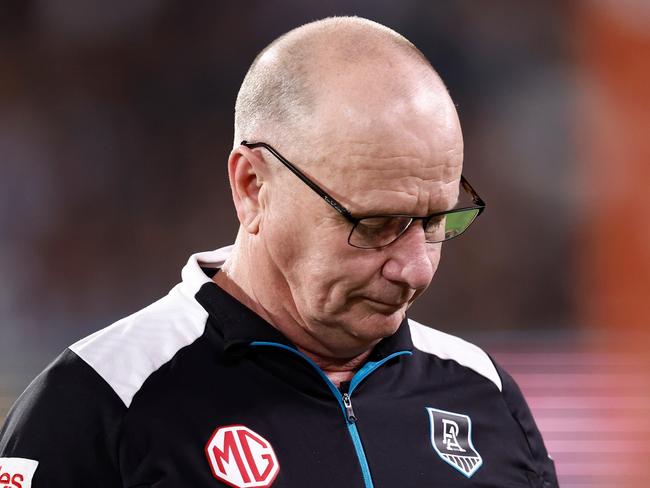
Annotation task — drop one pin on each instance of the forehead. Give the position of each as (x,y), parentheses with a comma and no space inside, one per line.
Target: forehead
(404,159)
(383,138)
(376,179)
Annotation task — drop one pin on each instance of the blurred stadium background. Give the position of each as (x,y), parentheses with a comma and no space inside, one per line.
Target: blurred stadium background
(115,126)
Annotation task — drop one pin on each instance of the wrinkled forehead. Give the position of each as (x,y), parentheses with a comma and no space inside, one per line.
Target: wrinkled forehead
(374,178)
(407,149)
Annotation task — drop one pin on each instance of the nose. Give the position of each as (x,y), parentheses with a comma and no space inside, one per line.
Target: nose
(410,260)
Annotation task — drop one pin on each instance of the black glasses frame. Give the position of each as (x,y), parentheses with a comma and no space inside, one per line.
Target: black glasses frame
(478,201)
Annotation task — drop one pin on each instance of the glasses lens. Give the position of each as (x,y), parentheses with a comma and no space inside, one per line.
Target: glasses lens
(434,231)
(374,232)
(454,224)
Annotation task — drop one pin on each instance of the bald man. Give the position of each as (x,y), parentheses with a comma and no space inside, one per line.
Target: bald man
(287,360)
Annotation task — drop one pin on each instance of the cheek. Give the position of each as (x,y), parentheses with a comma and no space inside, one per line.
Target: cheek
(309,244)
(325,281)
(287,236)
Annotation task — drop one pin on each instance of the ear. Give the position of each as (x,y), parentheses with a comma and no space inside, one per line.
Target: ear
(246,174)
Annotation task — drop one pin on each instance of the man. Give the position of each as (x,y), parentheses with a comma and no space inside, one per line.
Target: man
(286,360)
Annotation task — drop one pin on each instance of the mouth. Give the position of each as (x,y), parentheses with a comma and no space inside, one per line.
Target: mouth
(384,306)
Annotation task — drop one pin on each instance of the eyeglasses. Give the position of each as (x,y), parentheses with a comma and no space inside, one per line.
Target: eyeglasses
(377,231)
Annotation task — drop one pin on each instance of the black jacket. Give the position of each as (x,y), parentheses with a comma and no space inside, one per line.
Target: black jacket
(198,391)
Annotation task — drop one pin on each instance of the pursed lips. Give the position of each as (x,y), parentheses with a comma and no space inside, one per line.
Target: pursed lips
(392,299)
(387,304)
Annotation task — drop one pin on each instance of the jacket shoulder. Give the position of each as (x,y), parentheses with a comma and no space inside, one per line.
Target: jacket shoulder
(126,353)
(64,429)
(447,346)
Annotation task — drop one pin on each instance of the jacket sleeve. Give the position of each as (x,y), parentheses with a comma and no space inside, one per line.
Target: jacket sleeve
(63,430)
(514,399)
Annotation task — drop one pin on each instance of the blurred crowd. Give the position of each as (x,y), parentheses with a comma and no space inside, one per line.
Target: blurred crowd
(116,124)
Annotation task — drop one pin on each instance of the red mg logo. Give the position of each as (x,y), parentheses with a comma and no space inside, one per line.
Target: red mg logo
(241,458)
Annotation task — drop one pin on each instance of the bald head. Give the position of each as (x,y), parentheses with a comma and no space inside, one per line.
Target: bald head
(365,116)
(335,57)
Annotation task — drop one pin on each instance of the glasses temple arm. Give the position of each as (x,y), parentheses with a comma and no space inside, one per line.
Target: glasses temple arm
(322,193)
(477,200)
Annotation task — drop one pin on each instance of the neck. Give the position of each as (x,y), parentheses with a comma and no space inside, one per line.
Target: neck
(336,369)
(235,279)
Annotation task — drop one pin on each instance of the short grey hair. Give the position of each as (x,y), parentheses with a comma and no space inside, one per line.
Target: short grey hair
(279,91)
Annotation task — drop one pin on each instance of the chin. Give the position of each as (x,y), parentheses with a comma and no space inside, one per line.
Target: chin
(377,326)
(362,324)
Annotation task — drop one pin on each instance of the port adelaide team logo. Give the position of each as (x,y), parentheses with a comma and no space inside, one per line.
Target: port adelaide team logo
(241,458)
(451,437)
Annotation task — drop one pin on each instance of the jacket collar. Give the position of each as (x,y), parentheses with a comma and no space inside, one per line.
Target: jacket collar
(239,325)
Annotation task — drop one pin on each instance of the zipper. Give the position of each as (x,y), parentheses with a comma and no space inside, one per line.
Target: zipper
(345,400)
(347,403)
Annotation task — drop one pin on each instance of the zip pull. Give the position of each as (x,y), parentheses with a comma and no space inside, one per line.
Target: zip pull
(347,403)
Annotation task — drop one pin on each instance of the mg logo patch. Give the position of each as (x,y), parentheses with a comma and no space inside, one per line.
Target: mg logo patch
(451,437)
(241,458)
